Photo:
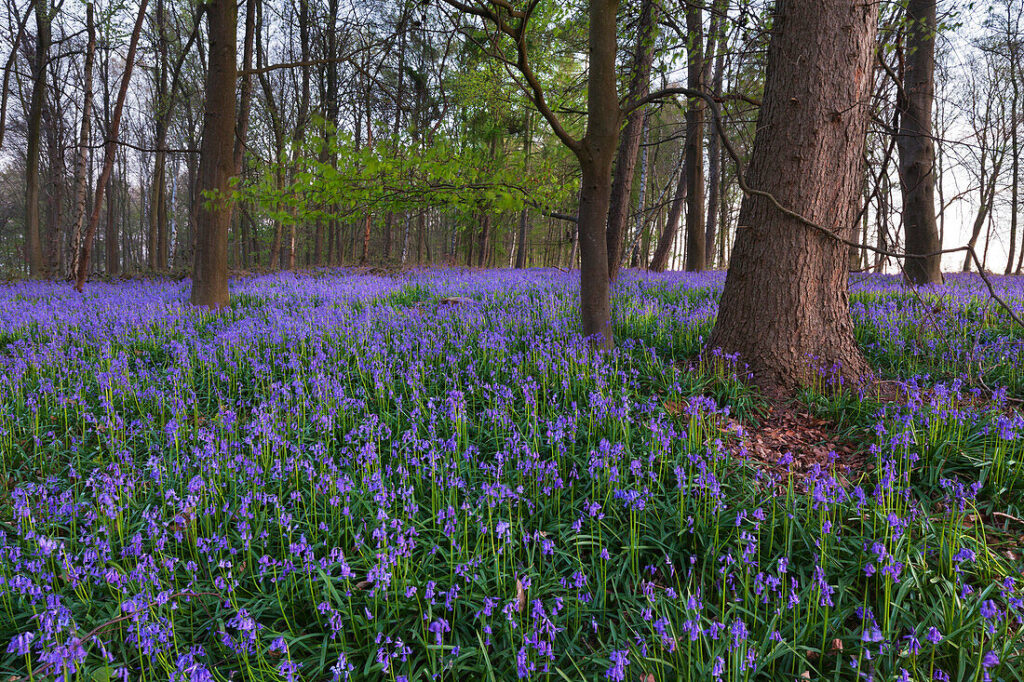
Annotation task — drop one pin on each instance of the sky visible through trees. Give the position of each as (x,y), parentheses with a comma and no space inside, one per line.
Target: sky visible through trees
(404,83)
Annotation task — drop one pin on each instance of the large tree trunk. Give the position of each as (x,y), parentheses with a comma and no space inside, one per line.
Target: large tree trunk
(785,309)
(33,146)
(595,155)
(916,148)
(216,161)
(695,237)
(629,143)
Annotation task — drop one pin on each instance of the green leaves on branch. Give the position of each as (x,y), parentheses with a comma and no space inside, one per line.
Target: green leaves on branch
(332,177)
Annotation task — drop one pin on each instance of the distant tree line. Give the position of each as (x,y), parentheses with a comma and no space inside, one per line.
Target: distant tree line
(170,136)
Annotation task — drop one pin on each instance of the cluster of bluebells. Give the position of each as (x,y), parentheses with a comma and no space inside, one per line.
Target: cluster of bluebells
(344,477)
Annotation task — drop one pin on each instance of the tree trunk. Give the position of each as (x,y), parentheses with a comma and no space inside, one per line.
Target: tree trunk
(55,173)
(695,236)
(595,154)
(659,261)
(82,166)
(916,148)
(33,145)
(629,143)
(245,86)
(1014,154)
(9,68)
(109,152)
(717,43)
(785,308)
(986,194)
(524,215)
(216,161)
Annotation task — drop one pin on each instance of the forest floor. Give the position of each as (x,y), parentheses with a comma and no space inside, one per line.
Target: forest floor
(428,475)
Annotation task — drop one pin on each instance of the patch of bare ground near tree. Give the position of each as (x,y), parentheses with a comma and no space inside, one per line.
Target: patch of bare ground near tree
(789,440)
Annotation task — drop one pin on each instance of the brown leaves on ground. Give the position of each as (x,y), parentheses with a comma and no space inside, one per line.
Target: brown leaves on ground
(789,429)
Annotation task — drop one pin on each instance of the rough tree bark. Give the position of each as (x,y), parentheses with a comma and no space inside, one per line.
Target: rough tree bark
(785,308)
(629,143)
(596,153)
(916,148)
(216,161)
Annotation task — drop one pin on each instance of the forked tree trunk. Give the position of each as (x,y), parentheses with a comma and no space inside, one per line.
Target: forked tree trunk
(216,161)
(785,307)
(916,148)
(629,143)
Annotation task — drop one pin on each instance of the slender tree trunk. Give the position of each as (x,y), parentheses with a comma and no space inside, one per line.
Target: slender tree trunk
(629,143)
(717,44)
(109,152)
(695,232)
(882,222)
(785,309)
(33,146)
(659,261)
(55,174)
(524,215)
(216,161)
(82,167)
(916,148)
(986,194)
(485,240)
(9,68)
(1014,154)
(368,218)
(245,86)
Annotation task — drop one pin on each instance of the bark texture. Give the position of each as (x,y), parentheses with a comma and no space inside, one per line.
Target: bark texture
(916,148)
(216,163)
(595,154)
(785,308)
(695,237)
